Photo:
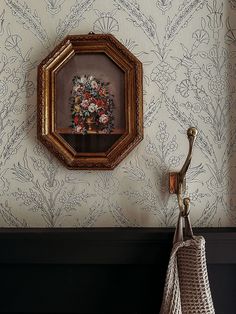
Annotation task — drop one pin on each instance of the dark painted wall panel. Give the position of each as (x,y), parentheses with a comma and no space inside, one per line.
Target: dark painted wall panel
(103,270)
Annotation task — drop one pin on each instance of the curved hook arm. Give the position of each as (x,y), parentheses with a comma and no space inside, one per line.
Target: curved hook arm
(191,133)
(177,179)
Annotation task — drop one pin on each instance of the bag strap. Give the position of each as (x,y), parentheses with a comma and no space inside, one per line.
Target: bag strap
(182,233)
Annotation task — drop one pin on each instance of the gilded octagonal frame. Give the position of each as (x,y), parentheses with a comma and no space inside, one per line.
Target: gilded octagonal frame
(117,124)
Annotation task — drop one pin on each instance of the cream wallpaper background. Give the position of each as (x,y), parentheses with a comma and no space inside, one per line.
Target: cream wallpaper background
(188,51)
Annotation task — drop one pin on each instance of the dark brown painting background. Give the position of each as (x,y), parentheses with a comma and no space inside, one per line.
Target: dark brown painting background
(99,66)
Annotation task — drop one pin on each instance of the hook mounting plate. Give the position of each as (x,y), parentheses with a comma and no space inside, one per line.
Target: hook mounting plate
(174,183)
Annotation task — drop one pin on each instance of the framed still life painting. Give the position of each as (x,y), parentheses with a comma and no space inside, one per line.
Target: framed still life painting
(90,101)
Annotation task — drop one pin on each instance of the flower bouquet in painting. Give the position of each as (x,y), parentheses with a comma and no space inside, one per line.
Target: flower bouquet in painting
(91,105)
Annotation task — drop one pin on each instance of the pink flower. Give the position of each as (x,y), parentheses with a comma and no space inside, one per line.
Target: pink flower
(85,104)
(79,129)
(104,118)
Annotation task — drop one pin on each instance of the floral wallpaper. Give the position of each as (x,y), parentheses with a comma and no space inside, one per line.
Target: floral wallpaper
(188,51)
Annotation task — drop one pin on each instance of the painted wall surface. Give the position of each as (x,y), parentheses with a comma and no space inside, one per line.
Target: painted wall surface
(188,50)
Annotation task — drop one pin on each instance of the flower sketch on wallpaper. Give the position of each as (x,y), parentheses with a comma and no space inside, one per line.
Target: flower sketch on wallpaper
(163,74)
(175,24)
(73,18)
(213,102)
(142,55)
(4,183)
(215,16)
(51,198)
(233,4)
(30,20)
(164,5)
(54,6)
(186,83)
(9,218)
(138,19)
(210,105)
(151,112)
(14,85)
(230,36)
(106,22)
(159,158)
(106,186)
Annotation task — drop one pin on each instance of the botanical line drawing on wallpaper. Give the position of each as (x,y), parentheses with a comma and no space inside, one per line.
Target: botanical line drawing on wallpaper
(73,18)
(141,54)
(2,22)
(217,112)
(51,198)
(14,85)
(30,20)
(138,19)
(106,23)
(106,186)
(164,5)
(233,4)
(230,36)
(188,51)
(54,6)
(161,156)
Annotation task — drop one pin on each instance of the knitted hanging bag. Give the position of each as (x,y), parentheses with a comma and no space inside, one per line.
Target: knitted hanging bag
(187,289)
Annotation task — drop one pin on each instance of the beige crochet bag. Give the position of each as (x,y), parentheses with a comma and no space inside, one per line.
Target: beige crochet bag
(187,288)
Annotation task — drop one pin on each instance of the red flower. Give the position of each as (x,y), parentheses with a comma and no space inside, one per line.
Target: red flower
(87,95)
(101,112)
(76,120)
(100,103)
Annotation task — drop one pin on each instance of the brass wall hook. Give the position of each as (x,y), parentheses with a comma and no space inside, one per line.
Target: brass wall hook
(177,180)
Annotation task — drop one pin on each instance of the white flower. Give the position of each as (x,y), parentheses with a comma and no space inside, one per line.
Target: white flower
(151,148)
(78,88)
(218,85)
(92,107)
(94,84)
(90,78)
(104,118)
(83,79)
